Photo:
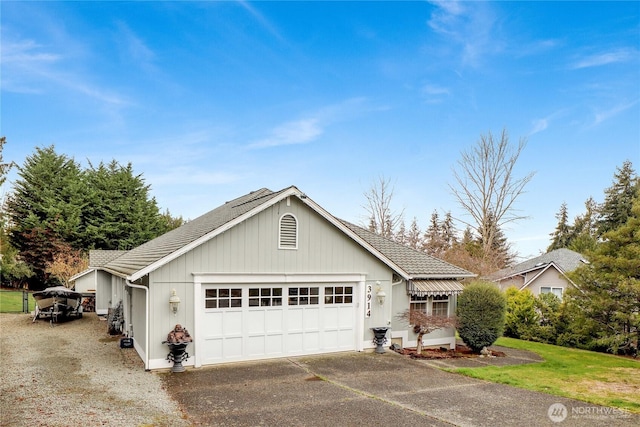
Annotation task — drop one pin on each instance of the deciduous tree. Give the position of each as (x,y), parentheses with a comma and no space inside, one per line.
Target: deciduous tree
(487,186)
(383,220)
(423,324)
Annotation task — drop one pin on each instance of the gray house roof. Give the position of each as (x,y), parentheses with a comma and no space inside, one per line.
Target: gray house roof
(154,250)
(149,256)
(565,259)
(99,258)
(417,264)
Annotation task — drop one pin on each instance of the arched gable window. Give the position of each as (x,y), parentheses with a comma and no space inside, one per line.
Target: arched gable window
(288,238)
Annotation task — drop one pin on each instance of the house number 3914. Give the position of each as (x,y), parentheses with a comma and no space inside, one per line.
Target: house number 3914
(368,305)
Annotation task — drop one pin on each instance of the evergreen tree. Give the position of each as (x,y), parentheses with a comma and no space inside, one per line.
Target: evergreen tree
(448,231)
(498,255)
(121,214)
(45,209)
(433,240)
(618,199)
(4,167)
(584,233)
(560,237)
(608,299)
(401,235)
(481,314)
(414,236)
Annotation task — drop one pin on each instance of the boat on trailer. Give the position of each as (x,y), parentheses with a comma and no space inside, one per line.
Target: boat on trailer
(57,303)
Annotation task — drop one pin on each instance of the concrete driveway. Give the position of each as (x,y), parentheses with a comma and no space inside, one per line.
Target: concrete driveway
(368,389)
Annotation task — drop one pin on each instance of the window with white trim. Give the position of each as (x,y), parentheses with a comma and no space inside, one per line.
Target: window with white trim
(304,295)
(419,303)
(440,305)
(338,294)
(265,297)
(288,235)
(223,298)
(436,305)
(547,289)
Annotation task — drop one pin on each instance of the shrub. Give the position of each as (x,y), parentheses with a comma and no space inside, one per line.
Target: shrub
(521,318)
(481,315)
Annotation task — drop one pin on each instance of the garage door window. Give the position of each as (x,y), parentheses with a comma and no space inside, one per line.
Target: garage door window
(223,298)
(265,297)
(304,296)
(338,294)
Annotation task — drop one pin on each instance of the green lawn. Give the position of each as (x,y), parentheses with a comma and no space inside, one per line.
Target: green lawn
(11,301)
(598,378)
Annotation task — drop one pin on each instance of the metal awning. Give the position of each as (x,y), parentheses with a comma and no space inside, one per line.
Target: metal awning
(434,287)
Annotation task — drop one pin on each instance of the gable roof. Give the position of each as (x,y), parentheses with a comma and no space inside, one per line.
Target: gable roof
(178,241)
(149,256)
(565,260)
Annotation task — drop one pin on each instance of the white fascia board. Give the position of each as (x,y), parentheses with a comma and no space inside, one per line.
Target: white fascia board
(280,278)
(326,215)
(83,273)
(291,191)
(534,278)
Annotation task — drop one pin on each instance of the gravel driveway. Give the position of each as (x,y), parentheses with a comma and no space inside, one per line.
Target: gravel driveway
(52,377)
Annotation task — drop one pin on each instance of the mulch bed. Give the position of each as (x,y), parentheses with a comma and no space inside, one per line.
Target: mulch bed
(446,353)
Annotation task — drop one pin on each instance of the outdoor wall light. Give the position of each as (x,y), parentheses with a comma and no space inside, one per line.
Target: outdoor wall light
(174,302)
(380,294)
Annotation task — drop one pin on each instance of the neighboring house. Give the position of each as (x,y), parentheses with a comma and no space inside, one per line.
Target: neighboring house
(273,274)
(543,274)
(95,281)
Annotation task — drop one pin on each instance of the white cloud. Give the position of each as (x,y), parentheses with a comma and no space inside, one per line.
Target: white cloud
(295,132)
(604,115)
(605,58)
(472,26)
(539,125)
(434,93)
(307,129)
(29,68)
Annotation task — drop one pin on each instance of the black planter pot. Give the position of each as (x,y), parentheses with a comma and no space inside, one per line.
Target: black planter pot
(177,355)
(380,338)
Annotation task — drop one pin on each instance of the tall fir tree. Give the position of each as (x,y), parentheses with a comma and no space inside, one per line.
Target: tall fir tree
(608,295)
(414,235)
(618,198)
(122,214)
(45,209)
(560,237)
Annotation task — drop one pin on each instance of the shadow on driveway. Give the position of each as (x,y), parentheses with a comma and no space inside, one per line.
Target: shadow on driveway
(350,389)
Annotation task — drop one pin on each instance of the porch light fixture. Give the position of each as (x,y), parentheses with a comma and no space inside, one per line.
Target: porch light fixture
(380,294)
(174,302)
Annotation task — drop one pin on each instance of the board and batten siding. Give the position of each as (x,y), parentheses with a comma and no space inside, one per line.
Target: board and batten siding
(252,247)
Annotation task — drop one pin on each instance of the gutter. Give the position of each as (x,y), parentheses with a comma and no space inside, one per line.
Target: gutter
(146,323)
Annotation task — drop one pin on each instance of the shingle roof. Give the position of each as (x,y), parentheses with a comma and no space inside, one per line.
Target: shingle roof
(565,259)
(415,263)
(158,248)
(99,258)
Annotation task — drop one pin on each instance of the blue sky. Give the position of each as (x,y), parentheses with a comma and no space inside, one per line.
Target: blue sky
(210,100)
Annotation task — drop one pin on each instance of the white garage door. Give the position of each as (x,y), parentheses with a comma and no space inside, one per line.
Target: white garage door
(245,322)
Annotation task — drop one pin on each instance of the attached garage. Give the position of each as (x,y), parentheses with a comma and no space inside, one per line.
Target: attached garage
(277,317)
(267,275)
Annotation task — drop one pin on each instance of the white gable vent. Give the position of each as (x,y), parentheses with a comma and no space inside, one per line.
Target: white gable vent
(288,232)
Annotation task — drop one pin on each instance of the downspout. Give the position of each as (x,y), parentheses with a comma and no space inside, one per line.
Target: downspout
(146,323)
